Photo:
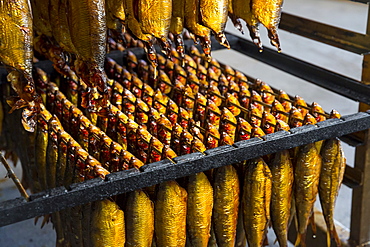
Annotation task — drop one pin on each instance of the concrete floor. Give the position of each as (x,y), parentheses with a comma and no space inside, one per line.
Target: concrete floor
(341,13)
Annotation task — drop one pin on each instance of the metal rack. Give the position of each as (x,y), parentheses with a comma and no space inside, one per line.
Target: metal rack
(358,178)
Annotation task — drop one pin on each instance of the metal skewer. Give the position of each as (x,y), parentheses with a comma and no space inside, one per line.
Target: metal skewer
(12,175)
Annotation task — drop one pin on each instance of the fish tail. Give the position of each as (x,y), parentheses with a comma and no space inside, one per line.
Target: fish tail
(313,225)
(328,239)
(301,240)
(336,237)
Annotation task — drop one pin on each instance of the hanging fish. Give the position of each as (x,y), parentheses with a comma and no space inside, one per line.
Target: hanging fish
(281,195)
(170,215)
(268,13)
(16,35)
(331,177)
(256,201)
(139,216)
(306,177)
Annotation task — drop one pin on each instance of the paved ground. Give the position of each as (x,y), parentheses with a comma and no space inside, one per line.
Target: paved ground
(342,13)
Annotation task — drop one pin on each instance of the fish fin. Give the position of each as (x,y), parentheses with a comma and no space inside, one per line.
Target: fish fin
(313,225)
(265,241)
(298,240)
(328,239)
(336,237)
(301,240)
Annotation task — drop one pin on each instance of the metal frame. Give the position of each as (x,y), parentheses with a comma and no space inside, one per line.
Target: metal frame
(121,182)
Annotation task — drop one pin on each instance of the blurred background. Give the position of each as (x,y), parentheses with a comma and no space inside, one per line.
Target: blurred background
(341,13)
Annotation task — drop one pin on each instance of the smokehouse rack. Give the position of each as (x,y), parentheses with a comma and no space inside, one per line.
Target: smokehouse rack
(352,129)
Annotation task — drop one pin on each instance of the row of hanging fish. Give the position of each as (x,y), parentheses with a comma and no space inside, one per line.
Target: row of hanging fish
(73,35)
(190,109)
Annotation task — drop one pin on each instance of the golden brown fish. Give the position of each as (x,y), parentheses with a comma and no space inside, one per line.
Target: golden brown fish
(170,215)
(115,12)
(139,216)
(214,16)
(268,13)
(193,24)
(256,201)
(199,209)
(226,204)
(332,171)
(16,35)
(243,10)
(87,26)
(177,24)
(155,19)
(281,195)
(107,224)
(306,180)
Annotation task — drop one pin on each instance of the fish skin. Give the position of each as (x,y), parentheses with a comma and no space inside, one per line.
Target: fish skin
(155,17)
(306,177)
(41,149)
(16,41)
(87,26)
(256,201)
(107,224)
(170,215)
(243,10)
(268,13)
(177,19)
(199,209)
(139,216)
(115,12)
(226,205)
(281,195)
(133,23)
(332,172)
(192,23)
(59,24)
(40,13)
(214,16)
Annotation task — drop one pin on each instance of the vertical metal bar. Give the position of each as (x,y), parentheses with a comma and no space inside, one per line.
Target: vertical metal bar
(360,215)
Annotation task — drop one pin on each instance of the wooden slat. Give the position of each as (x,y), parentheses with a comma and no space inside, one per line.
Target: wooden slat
(331,35)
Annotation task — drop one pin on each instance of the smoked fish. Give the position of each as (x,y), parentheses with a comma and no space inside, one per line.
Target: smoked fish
(199,209)
(226,204)
(214,16)
(256,201)
(268,13)
(281,195)
(306,177)
(16,41)
(139,216)
(332,171)
(170,215)
(107,224)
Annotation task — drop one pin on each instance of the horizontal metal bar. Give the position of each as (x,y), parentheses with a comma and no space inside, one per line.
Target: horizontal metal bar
(327,79)
(341,38)
(121,182)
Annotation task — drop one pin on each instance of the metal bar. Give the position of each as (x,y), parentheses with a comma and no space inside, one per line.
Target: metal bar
(345,39)
(14,177)
(332,81)
(121,182)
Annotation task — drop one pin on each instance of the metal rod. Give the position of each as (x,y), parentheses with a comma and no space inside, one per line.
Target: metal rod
(121,182)
(14,177)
